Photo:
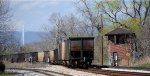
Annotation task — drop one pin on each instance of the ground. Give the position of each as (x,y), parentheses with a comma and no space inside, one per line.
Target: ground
(54,70)
(5,74)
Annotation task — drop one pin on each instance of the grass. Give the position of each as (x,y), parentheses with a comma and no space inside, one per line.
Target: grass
(145,65)
(143,62)
(5,74)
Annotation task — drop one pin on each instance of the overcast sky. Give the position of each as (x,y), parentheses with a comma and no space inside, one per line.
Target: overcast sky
(34,13)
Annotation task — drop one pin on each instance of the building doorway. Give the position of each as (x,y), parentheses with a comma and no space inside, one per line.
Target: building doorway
(115,58)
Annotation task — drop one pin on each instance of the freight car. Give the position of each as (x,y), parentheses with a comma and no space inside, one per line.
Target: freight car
(75,52)
(54,56)
(81,50)
(40,56)
(72,52)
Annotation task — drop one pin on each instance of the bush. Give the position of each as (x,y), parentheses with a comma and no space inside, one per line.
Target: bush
(2,67)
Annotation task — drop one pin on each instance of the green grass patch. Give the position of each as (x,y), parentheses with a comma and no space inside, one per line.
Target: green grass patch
(5,74)
(145,65)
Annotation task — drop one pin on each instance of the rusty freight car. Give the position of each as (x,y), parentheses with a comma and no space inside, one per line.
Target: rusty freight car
(78,51)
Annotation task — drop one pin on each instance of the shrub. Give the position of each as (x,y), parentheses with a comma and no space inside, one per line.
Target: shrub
(2,67)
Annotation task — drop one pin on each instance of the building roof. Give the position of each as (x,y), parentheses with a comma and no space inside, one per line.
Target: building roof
(119,31)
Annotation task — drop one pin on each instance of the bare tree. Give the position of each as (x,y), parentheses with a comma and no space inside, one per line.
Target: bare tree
(6,34)
(90,15)
(143,37)
(63,27)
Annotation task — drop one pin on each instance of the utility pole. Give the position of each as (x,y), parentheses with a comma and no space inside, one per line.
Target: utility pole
(102,36)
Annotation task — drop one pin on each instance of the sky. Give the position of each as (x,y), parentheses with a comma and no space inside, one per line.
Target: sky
(35,13)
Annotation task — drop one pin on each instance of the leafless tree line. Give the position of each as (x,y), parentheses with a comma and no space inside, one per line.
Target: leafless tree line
(7,40)
(133,14)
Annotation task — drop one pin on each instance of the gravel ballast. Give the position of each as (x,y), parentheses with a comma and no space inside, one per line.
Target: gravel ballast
(54,70)
(67,71)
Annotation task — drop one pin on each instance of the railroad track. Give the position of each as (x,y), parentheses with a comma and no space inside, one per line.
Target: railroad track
(45,72)
(113,73)
(90,70)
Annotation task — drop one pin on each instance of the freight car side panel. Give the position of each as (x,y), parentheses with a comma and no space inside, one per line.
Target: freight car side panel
(54,55)
(65,50)
(27,56)
(88,45)
(34,56)
(46,56)
(40,56)
(81,47)
(88,48)
(75,45)
(14,58)
(75,48)
(21,57)
(51,55)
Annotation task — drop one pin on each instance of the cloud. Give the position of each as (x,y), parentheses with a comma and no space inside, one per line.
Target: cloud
(32,4)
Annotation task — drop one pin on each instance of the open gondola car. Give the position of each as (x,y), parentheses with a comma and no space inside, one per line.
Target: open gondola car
(78,51)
